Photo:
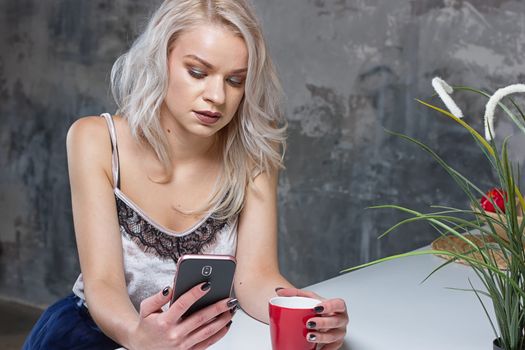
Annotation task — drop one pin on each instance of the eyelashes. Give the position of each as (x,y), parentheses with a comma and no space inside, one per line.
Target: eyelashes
(234,81)
(197,74)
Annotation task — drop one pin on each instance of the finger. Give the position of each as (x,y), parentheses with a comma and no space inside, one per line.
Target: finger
(327,322)
(212,340)
(186,300)
(208,313)
(209,329)
(331,306)
(294,292)
(328,337)
(333,346)
(155,302)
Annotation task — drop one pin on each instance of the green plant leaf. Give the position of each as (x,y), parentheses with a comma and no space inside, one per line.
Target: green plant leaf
(480,138)
(484,308)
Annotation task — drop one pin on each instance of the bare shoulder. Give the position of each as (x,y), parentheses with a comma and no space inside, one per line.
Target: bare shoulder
(89,144)
(264,183)
(85,129)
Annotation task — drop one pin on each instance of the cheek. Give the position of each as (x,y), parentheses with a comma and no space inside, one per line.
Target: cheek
(236,98)
(179,96)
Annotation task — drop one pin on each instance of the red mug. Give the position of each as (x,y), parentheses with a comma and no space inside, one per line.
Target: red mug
(288,318)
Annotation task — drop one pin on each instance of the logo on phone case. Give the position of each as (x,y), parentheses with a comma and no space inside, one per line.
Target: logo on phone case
(206,270)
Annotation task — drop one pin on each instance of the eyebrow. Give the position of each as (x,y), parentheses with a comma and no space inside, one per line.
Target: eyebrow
(210,66)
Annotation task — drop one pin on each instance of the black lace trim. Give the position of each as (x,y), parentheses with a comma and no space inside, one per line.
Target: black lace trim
(152,240)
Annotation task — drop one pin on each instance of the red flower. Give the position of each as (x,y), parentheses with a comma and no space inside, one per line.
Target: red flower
(496,196)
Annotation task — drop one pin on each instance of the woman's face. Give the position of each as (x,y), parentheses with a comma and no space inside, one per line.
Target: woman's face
(207,68)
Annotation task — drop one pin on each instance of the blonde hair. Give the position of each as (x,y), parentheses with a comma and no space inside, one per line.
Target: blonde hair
(252,143)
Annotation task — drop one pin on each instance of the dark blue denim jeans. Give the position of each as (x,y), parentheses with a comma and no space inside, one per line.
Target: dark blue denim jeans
(67,325)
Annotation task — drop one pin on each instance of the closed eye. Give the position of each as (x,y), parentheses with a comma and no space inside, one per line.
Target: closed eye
(197,74)
(236,81)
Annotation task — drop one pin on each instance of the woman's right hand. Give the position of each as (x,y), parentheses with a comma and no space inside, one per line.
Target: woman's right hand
(166,330)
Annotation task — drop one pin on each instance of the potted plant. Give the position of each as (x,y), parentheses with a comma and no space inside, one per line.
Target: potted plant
(496,240)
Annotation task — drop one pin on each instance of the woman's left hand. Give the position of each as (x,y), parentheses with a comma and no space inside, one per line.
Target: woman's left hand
(327,329)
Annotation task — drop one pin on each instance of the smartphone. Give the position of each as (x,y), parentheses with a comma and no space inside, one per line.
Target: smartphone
(194,269)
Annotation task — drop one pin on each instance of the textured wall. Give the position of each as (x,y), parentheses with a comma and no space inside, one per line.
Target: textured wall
(350,68)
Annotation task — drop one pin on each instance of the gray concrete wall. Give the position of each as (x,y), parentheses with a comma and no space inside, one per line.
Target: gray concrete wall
(350,68)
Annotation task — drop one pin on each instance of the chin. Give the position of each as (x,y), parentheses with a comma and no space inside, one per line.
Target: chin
(205,131)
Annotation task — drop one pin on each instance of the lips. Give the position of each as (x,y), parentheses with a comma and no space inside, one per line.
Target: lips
(210,114)
(207,117)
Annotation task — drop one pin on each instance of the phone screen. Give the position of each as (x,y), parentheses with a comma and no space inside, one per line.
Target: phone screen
(195,269)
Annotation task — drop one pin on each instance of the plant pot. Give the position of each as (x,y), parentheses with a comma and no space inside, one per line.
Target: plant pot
(496,345)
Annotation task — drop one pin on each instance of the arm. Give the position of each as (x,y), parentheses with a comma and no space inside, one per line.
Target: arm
(257,273)
(96,227)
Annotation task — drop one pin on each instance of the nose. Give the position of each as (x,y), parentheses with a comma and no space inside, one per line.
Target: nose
(214,90)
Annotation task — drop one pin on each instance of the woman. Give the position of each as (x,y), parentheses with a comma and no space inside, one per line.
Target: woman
(190,163)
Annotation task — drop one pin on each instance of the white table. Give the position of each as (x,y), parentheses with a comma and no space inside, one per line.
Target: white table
(390,310)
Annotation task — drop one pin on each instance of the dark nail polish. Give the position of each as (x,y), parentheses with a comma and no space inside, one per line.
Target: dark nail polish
(232,302)
(234,310)
(166,291)
(311,337)
(229,324)
(311,325)
(278,289)
(206,286)
(318,309)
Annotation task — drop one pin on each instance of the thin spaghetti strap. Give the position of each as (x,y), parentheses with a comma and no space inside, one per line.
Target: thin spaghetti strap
(115,164)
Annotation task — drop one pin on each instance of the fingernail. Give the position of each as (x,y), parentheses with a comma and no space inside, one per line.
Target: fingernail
(206,286)
(229,324)
(278,289)
(311,337)
(232,302)
(311,324)
(166,291)
(234,310)
(318,309)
